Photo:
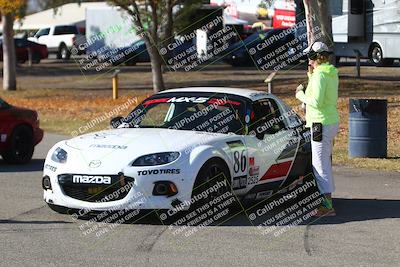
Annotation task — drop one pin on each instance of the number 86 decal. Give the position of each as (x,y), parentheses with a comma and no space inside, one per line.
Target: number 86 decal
(240,161)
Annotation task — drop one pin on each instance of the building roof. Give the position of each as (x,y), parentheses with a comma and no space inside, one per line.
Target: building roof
(68,14)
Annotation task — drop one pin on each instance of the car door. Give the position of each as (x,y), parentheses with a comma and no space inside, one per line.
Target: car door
(21,49)
(300,146)
(272,147)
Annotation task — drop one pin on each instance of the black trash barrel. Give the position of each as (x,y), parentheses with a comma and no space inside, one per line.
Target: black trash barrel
(368,128)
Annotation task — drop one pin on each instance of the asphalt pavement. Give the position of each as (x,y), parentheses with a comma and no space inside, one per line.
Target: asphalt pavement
(365,232)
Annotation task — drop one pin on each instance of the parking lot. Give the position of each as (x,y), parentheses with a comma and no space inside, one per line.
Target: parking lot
(365,232)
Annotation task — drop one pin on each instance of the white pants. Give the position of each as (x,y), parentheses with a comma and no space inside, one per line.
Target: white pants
(321,158)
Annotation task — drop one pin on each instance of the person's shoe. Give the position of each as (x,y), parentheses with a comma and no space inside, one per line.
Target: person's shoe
(324,211)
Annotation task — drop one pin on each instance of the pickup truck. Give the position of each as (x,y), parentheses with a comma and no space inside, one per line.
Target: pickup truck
(61,40)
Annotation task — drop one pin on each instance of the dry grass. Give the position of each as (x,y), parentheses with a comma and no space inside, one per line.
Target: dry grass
(71,112)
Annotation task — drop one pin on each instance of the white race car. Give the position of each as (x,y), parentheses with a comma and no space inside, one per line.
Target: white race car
(244,141)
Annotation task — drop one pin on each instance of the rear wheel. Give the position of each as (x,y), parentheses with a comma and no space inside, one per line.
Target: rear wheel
(63,52)
(376,56)
(21,146)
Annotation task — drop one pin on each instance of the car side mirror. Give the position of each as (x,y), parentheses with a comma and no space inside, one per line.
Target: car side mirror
(115,122)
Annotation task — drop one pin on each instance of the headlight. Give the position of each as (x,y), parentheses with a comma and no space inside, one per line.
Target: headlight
(156,159)
(59,155)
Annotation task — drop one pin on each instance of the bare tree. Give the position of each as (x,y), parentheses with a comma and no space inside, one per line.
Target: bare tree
(9,56)
(9,9)
(169,23)
(318,9)
(151,36)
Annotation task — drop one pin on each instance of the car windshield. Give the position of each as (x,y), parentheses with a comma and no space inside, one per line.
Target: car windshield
(207,113)
(42,32)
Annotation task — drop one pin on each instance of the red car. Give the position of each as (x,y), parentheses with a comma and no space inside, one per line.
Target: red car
(19,133)
(39,51)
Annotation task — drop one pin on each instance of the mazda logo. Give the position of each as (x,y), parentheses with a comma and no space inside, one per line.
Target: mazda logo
(95,164)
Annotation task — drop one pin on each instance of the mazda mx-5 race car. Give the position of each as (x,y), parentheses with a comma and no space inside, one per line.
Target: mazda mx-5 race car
(244,141)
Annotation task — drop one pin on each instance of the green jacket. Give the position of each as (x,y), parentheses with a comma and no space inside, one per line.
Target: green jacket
(321,95)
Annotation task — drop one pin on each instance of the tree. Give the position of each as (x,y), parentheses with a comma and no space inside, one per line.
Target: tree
(9,10)
(186,18)
(159,17)
(154,23)
(155,9)
(319,9)
(266,3)
(47,4)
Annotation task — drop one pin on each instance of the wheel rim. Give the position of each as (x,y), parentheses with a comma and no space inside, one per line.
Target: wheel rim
(376,55)
(214,175)
(64,53)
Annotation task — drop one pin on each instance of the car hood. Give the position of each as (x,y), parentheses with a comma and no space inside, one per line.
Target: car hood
(33,39)
(22,113)
(122,146)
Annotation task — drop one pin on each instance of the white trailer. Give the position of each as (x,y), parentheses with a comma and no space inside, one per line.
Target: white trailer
(108,26)
(368,27)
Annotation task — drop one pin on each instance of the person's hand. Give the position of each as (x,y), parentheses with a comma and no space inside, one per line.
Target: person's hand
(310,67)
(300,87)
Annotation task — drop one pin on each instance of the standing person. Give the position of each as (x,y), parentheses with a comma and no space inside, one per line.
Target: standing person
(320,98)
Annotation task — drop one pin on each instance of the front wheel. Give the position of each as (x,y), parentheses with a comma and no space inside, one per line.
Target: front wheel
(212,181)
(35,58)
(21,146)
(337,61)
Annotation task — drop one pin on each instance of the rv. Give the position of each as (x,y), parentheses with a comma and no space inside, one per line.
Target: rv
(368,27)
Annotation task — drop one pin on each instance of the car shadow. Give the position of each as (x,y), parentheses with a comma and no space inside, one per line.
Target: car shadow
(348,210)
(32,166)
(355,210)
(32,222)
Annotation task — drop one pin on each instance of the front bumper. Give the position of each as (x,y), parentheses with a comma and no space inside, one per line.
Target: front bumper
(139,196)
(37,135)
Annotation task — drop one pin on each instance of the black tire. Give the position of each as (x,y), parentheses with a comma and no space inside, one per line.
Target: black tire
(212,172)
(35,58)
(376,56)
(337,61)
(63,52)
(130,63)
(130,60)
(21,146)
